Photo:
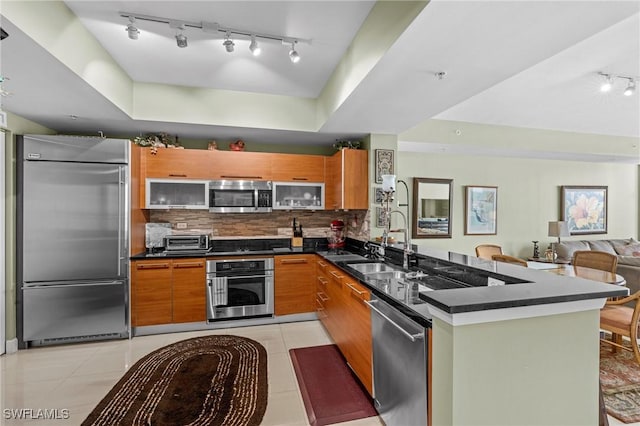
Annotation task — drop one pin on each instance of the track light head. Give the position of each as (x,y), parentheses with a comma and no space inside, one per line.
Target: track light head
(228,43)
(181,40)
(293,54)
(253,47)
(608,83)
(131,29)
(631,88)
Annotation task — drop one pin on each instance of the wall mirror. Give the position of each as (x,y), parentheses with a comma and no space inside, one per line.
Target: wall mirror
(432,208)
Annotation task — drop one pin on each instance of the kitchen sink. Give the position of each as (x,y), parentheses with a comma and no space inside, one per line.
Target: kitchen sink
(372,268)
(387,275)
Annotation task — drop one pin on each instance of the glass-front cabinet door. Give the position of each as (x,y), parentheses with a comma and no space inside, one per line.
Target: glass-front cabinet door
(295,196)
(177,194)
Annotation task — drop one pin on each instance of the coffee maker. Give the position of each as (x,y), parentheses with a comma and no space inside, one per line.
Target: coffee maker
(336,235)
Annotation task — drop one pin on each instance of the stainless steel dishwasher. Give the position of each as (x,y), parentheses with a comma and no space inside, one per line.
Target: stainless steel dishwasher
(399,366)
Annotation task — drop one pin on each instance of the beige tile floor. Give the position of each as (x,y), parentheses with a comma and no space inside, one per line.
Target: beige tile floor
(76,377)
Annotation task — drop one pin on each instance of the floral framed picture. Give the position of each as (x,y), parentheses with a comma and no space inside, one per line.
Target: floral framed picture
(384,163)
(584,209)
(481,210)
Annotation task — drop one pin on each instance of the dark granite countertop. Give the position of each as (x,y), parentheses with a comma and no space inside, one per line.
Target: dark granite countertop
(444,289)
(455,283)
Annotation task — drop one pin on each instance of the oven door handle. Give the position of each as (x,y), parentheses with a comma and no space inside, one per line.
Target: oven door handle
(238,277)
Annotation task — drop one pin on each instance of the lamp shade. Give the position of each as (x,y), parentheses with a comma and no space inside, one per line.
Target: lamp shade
(388,183)
(558,229)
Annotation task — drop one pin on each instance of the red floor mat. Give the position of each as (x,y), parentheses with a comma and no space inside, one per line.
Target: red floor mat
(330,390)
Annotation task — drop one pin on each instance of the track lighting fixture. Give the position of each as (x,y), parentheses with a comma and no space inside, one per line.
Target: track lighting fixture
(608,83)
(293,54)
(609,80)
(181,40)
(631,88)
(215,28)
(228,43)
(253,47)
(131,29)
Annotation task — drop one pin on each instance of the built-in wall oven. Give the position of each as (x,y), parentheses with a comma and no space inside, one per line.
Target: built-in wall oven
(238,288)
(239,196)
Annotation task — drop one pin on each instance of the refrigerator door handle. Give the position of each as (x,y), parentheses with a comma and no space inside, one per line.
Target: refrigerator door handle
(120,214)
(67,284)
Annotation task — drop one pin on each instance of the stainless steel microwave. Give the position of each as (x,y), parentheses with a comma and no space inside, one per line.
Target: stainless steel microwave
(239,196)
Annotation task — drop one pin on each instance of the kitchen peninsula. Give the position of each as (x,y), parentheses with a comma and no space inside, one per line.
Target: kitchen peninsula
(501,353)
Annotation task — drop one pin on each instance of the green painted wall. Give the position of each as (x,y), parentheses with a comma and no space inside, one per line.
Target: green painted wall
(529,192)
(529,189)
(534,371)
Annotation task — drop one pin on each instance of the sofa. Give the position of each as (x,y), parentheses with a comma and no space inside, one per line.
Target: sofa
(627,250)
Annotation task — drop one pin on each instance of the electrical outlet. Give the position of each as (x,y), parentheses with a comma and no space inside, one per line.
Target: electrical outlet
(181,225)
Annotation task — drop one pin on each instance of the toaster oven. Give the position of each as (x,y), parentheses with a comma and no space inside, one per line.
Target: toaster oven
(186,242)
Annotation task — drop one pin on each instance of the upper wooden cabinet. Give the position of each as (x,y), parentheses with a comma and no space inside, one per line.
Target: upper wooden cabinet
(297,168)
(345,174)
(177,163)
(205,164)
(241,165)
(347,178)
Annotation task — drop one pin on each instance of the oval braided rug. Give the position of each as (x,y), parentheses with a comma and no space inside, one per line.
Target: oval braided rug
(212,380)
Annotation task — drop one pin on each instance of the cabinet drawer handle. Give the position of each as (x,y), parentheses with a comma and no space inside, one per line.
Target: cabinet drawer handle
(152,266)
(172,175)
(241,177)
(300,178)
(294,261)
(323,299)
(322,281)
(322,264)
(188,265)
(336,275)
(360,293)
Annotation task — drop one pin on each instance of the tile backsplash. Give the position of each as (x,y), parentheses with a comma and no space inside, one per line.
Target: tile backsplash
(314,224)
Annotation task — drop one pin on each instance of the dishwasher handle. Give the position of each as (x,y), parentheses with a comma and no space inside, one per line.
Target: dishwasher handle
(412,337)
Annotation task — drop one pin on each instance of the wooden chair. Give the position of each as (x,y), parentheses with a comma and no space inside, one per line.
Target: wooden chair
(620,320)
(485,251)
(509,259)
(600,260)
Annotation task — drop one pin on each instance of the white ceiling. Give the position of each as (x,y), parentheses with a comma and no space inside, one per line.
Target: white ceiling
(513,63)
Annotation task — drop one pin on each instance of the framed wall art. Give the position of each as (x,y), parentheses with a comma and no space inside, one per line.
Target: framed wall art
(584,209)
(384,163)
(481,210)
(379,197)
(380,218)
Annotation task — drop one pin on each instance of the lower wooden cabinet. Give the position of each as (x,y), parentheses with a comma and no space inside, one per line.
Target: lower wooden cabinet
(189,290)
(167,291)
(151,292)
(294,286)
(341,308)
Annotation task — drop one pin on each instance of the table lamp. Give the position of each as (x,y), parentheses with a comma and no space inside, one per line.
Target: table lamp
(557,229)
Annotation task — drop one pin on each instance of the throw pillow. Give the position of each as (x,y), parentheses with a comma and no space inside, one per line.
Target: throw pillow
(628,249)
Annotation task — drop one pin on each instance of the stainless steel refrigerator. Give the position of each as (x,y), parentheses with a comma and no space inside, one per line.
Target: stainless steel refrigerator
(72,226)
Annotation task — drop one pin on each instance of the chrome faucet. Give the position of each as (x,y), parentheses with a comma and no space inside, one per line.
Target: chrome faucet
(407,240)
